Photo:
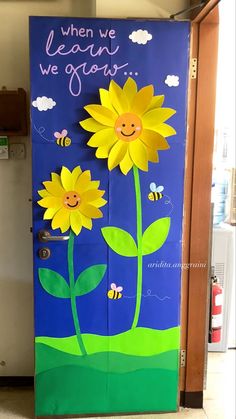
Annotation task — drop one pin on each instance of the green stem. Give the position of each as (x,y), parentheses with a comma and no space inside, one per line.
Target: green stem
(70,256)
(139,245)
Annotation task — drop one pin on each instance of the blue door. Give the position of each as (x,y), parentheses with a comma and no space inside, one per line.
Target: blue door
(108,112)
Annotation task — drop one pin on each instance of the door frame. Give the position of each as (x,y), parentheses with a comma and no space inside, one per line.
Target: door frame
(197,203)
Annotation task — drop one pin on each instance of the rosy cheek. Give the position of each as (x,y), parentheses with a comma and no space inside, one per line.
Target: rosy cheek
(118,129)
(138,128)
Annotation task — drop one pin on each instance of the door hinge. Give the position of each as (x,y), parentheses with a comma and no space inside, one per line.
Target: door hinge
(193,68)
(182,358)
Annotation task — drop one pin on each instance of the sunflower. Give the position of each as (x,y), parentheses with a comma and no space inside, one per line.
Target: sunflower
(129,126)
(72,200)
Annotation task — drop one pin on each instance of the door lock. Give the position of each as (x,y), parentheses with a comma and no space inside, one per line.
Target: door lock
(44,253)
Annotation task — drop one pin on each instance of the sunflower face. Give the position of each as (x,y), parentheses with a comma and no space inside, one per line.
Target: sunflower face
(129,126)
(71,200)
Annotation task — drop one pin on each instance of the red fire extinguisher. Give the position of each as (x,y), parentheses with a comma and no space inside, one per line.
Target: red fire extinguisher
(216,319)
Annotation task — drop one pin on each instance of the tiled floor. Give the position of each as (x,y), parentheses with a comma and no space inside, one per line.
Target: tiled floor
(219,398)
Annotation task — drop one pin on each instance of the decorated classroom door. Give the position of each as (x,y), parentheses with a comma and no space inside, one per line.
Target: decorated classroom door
(108,112)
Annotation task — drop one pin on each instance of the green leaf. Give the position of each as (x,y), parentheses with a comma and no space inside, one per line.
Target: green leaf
(89,279)
(155,235)
(120,241)
(54,283)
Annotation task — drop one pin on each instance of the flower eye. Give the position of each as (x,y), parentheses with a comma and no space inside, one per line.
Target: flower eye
(123,125)
(132,125)
(67,197)
(74,196)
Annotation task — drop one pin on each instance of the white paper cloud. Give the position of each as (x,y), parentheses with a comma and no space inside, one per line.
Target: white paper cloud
(172,81)
(140,36)
(44,103)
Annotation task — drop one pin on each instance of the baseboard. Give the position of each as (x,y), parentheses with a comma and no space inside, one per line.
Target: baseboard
(17,381)
(193,399)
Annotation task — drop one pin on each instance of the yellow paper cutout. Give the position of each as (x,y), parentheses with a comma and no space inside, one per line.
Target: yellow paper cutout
(71,200)
(142,100)
(116,154)
(75,221)
(138,154)
(103,137)
(130,125)
(91,125)
(101,114)
(90,211)
(154,140)
(157,116)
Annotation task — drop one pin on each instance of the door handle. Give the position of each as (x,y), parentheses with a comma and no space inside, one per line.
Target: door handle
(44,236)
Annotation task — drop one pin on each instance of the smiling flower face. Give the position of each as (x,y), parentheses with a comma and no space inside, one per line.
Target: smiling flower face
(129,126)
(71,200)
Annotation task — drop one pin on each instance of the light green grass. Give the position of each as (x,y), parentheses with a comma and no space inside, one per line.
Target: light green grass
(139,341)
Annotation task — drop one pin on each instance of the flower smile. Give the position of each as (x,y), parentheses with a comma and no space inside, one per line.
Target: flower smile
(72,206)
(128,135)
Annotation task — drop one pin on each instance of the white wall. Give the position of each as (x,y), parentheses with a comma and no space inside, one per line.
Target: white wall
(16,297)
(139,8)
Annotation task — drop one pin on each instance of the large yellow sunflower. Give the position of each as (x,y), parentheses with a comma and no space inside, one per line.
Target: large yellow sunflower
(129,126)
(72,199)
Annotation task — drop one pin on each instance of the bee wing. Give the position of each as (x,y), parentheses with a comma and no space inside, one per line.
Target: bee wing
(119,289)
(113,286)
(57,134)
(160,188)
(153,187)
(64,132)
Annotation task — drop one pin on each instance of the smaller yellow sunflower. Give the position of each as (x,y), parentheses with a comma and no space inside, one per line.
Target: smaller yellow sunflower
(72,200)
(129,126)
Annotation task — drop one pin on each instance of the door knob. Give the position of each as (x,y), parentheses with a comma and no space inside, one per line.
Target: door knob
(44,236)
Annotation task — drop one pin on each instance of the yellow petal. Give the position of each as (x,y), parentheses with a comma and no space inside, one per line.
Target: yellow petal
(142,100)
(118,98)
(86,222)
(152,155)
(138,154)
(156,116)
(43,193)
(154,140)
(103,152)
(103,137)
(56,178)
(75,222)
(165,130)
(49,213)
(83,181)
(61,220)
(91,195)
(116,154)
(54,188)
(66,179)
(130,89)
(105,99)
(94,184)
(50,202)
(90,211)
(76,172)
(101,114)
(100,202)
(157,102)
(126,164)
(91,125)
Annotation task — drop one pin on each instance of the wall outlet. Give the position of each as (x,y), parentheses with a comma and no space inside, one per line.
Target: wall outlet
(17,151)
(4,148)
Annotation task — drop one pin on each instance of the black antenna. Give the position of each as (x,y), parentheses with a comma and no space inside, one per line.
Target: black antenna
(188,9)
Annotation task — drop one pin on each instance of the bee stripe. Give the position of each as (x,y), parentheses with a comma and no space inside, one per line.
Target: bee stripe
(154,196)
